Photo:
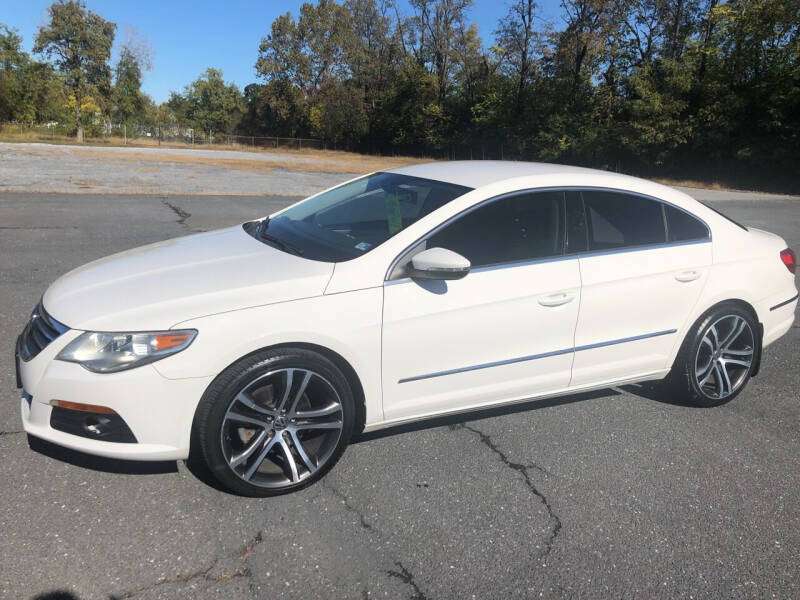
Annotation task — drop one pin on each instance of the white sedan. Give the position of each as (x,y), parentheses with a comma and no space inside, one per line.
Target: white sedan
(402,295)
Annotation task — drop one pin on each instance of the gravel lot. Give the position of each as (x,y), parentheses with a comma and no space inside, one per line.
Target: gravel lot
(29,167)
(618,493)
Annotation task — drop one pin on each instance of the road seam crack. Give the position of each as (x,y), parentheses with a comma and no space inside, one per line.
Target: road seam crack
(244,571)
(344,500)
(407,577)
(2,433)
(182,214)
(523,470)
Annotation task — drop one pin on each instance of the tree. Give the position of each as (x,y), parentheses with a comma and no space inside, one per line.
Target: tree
(516,40)
(79,42)
(30,91)
(130,103)
(438,24)
(13,62)
(373,55)
(338,115)
(308,51)
(209,104)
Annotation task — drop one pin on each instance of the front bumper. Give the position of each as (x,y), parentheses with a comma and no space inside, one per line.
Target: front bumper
(158,411)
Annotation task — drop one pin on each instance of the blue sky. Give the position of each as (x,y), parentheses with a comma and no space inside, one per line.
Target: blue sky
(189,36)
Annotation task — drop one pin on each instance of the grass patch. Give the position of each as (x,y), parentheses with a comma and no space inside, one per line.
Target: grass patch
(691,183)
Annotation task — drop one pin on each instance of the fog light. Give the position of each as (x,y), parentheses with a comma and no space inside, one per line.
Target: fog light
(96,425)
(90,421)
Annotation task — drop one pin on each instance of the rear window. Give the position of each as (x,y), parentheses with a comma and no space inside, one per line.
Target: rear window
(682,227)
(618,220)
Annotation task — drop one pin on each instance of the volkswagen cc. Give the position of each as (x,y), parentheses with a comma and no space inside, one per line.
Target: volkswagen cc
(401,295)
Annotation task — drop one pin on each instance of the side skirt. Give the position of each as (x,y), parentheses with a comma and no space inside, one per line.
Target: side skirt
(655,375)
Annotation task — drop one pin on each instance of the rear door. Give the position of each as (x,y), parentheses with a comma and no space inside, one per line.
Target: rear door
(503,332)
(642,272)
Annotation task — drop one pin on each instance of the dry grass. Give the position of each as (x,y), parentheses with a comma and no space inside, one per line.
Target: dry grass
(326,161)
(33,136)
(320,161)
(691,183)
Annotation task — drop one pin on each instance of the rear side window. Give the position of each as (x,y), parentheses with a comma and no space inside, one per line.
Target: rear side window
(523,227)
(618,220)
(683,227)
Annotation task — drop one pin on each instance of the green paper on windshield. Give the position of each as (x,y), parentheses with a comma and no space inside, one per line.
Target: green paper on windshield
(393,215)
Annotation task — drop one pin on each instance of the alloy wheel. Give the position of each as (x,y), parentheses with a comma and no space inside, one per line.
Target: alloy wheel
(282,427)
(724,356)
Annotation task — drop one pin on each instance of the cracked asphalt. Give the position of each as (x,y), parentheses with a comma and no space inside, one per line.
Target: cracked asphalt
(617,493)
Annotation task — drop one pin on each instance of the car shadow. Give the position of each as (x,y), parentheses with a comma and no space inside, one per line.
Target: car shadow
(198,467)
(654,391)
(99,463)
(56,595)
(658,392)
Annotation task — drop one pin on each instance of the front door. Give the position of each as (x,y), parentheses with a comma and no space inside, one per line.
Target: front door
(504,332)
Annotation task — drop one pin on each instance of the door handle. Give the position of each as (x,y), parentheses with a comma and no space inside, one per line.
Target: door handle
(557,299)
(687,276)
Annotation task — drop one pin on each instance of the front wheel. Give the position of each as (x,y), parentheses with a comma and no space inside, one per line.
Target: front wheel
(275,422)
(717,357)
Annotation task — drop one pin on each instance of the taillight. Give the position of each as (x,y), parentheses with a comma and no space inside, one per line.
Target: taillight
(789,259)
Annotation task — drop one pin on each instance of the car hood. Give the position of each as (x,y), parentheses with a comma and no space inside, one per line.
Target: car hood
(157,286)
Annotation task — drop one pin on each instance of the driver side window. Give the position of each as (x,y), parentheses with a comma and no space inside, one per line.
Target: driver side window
(517,228)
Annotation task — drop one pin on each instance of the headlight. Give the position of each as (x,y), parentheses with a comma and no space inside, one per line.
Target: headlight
(112,352)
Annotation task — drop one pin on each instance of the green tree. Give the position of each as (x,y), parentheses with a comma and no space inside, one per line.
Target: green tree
(308,51)
(209,104)
(437,26)
(517,39)
(13,62)
(30,91)
(337,115)
(373,55)
(130,103)
(79,42)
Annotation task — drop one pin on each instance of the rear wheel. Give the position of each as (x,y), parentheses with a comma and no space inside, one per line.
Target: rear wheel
(275,422)
(717,357)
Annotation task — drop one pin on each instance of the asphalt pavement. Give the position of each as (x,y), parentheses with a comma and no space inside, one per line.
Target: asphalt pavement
(620,493)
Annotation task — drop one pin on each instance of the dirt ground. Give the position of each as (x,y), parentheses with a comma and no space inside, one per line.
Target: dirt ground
(52,168)
(42,168)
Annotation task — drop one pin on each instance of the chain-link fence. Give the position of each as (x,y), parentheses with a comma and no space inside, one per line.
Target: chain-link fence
(152,135)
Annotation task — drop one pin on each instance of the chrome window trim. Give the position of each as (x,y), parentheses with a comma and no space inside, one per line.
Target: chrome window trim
(640,248)
(530,357)
(422,238)
(577,255)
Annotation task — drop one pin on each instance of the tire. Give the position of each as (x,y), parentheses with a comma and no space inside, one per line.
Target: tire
(275,422)
(713,368)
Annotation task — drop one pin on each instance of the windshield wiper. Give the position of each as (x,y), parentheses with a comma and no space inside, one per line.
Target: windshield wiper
(283,245)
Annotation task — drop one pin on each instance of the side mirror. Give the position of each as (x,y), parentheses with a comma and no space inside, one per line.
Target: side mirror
(438,263)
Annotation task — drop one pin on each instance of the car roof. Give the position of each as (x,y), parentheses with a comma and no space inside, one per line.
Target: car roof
(478,173)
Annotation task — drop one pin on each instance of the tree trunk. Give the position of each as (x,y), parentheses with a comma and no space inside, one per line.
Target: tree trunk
(78,120)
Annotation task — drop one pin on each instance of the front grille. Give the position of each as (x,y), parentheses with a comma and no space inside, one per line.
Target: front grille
(39,332)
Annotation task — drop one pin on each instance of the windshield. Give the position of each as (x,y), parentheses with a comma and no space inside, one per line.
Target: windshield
(352,219)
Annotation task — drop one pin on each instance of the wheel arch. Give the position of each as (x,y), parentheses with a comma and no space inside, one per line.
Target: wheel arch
(346,368)
(337,359)
(742,304)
